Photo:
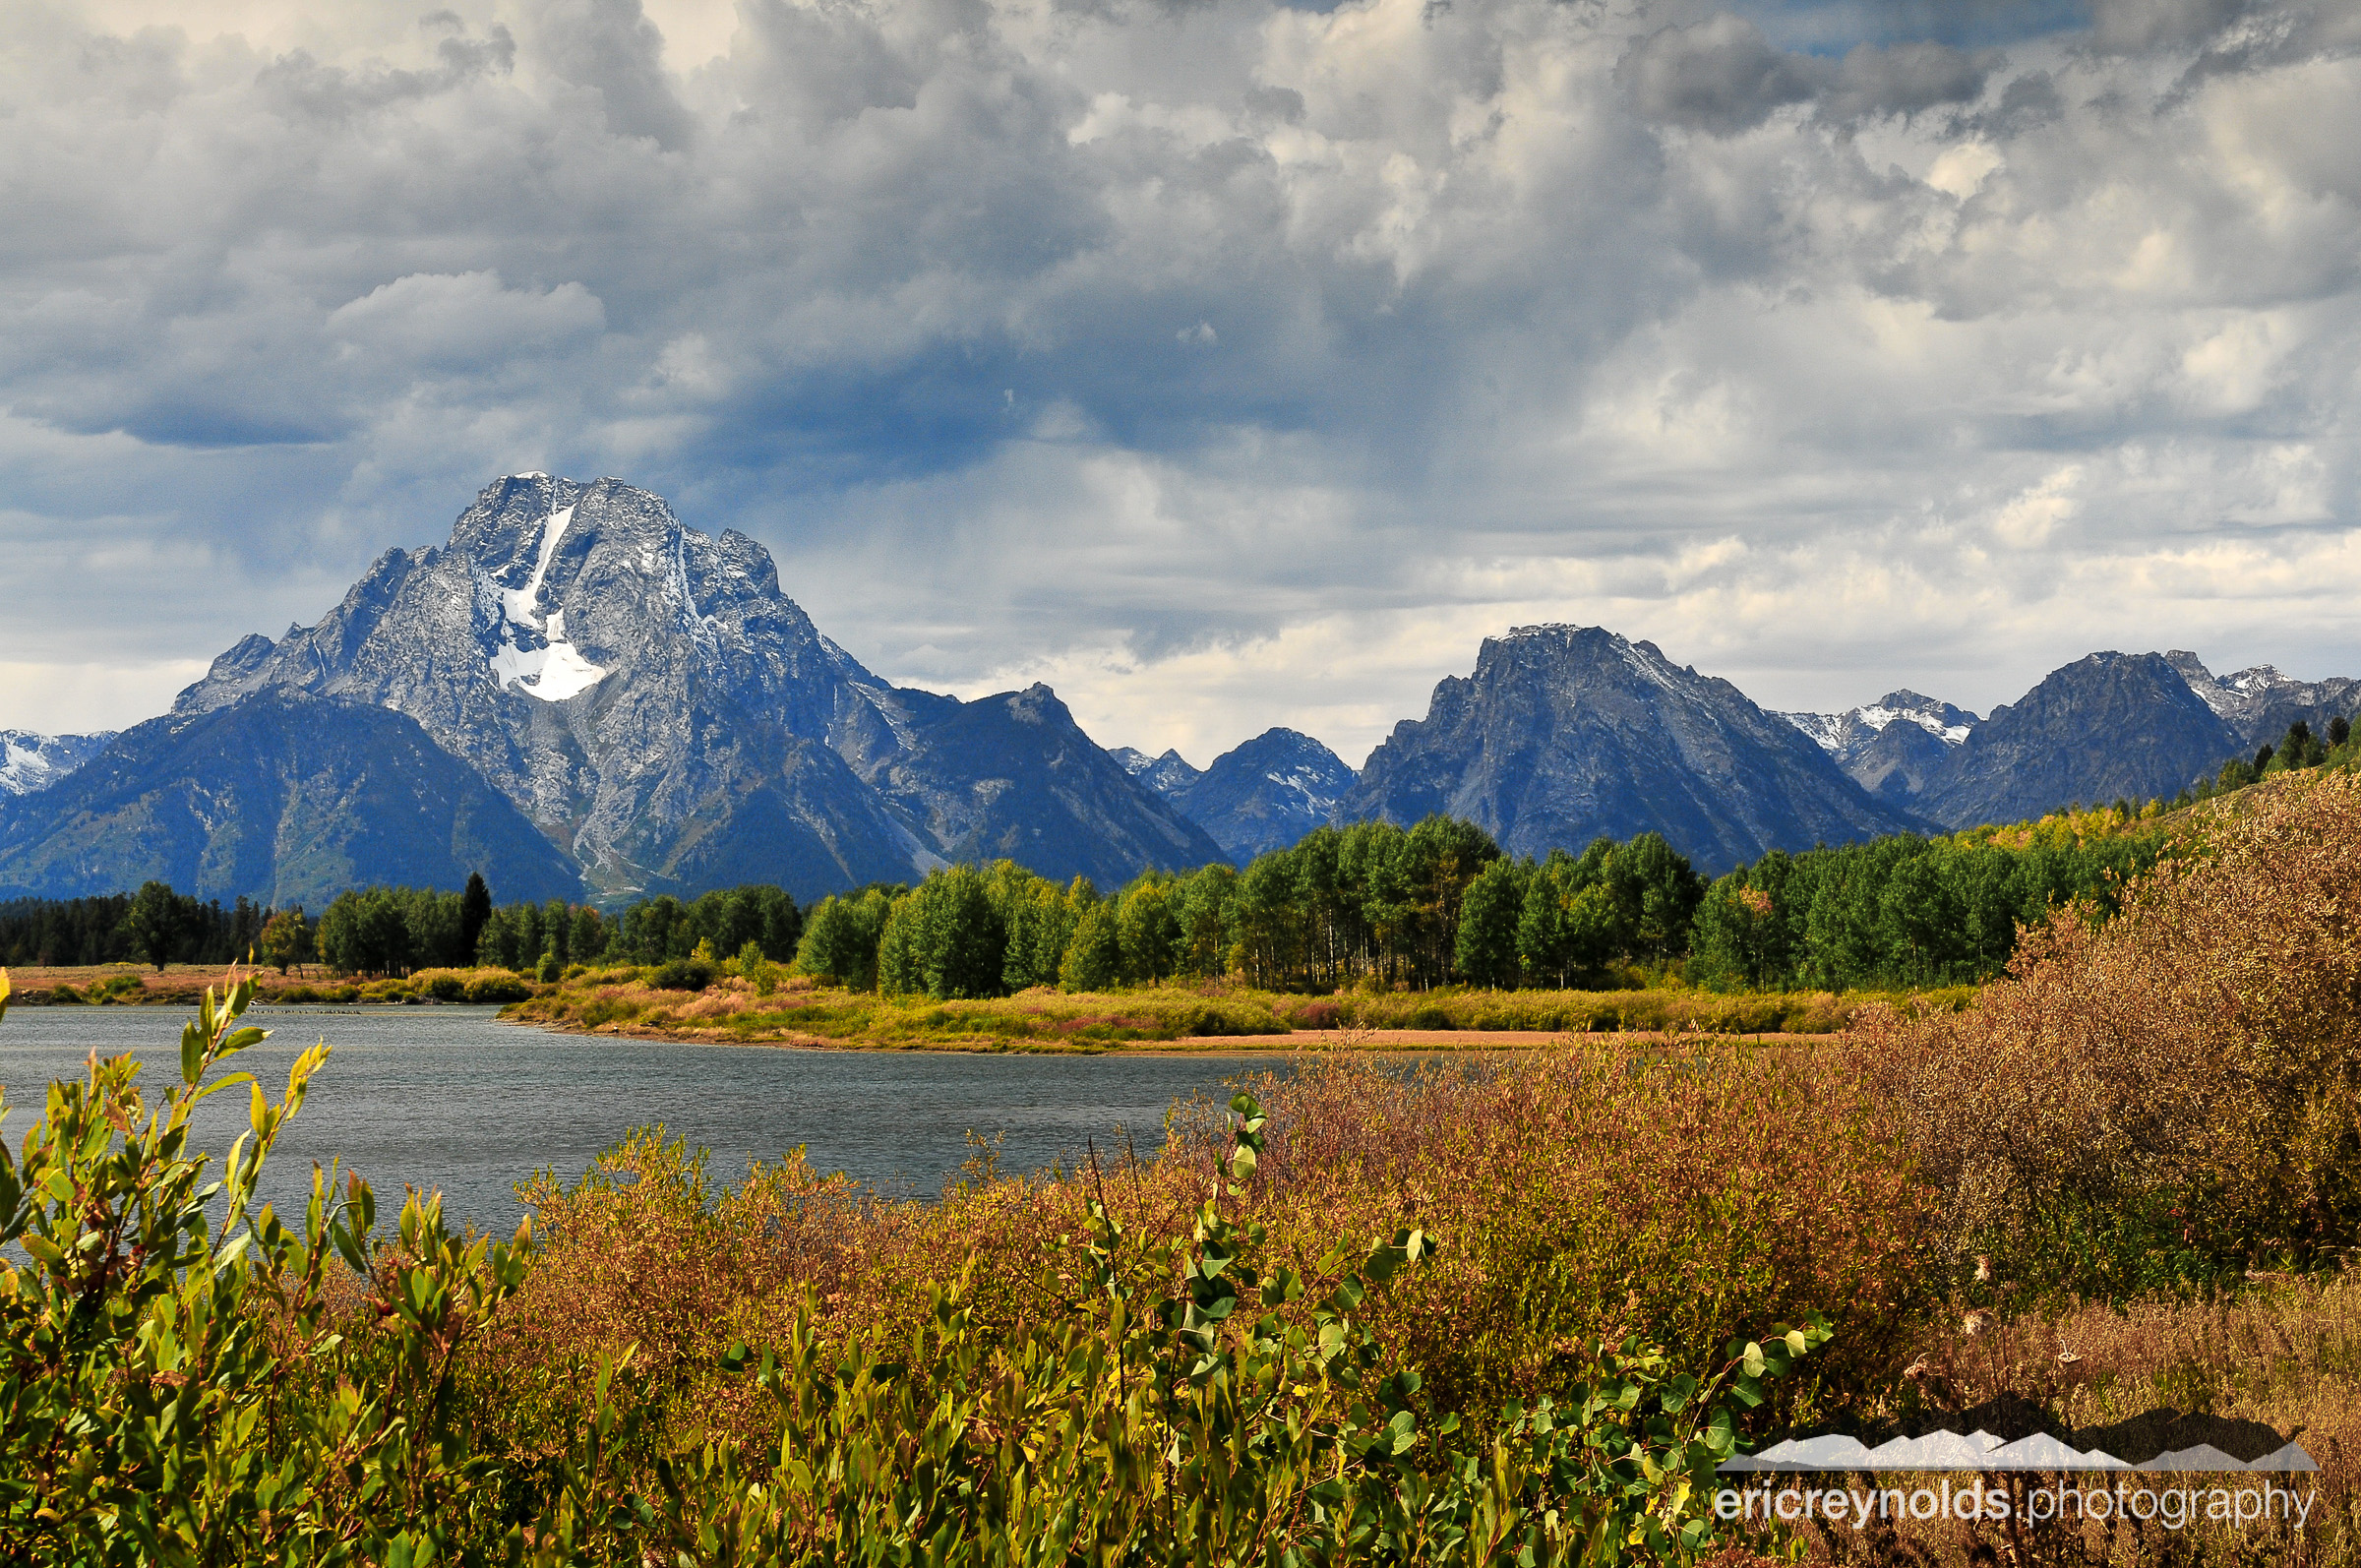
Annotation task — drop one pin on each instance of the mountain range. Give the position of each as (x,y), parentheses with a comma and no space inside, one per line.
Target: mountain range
(584,698)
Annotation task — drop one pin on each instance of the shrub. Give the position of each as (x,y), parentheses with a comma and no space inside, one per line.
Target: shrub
(138,1349)
(118,989)
(497,988)
(2171,1094)
(62,993)
(1175,1400)
(684,974)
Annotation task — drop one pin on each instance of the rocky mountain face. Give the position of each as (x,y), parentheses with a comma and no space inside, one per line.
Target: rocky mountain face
(29,761)
(1892,747)
(1264,794)
(1167,775)
(1257,797)
(282,796)
(668,718)
(1013,776)
(1564,732)
(2111,725)
(2259,703)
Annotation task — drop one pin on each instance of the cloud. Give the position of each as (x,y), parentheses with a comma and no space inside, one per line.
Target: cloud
(1227,363)
(1721,76)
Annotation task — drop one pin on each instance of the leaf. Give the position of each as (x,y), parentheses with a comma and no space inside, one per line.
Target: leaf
(235,1077)
(192,1054)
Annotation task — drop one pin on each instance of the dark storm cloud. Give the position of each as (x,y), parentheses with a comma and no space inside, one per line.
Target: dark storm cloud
(1721,75)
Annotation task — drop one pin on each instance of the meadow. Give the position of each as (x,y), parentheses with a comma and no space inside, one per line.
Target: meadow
(1482,1308)
(796,1009)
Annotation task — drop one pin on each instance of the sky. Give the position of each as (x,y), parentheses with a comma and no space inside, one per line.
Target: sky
(1221,363)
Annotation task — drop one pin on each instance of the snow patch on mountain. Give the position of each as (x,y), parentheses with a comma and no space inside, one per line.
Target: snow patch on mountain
(1317,793)
(30,762)
(1878,717)
(1845,735)
(533,655)
(2257,700)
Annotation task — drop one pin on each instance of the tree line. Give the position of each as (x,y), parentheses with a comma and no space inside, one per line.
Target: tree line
(392,931)
(1901,912)
(1372,904)
(1440,904)
(155,926)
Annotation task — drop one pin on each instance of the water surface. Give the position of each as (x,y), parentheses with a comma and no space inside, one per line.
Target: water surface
(448,1098)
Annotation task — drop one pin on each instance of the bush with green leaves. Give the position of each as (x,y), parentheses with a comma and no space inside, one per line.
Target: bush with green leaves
(179,1388)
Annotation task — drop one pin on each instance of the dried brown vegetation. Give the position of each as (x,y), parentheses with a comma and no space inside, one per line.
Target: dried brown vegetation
(2169,1093)
(1682,1193)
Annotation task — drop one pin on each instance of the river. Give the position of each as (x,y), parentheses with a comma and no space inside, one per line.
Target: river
(448,1098)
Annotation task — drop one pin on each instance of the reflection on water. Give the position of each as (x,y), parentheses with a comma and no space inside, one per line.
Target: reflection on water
(448,1098)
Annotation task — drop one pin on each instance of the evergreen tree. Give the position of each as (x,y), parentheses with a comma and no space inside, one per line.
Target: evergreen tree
(156,921)
(475,910)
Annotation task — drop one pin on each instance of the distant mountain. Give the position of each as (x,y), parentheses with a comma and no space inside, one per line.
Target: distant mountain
(666,716)
(1013,776)
(29,761)
(663,718)
(1564,732)
(282,796)
(1265,794)
(1167,775)
(2259,703)
(1892,747)
(2109,726)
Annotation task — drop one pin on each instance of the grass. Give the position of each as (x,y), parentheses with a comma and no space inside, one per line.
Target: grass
(798,1011)
(181,984)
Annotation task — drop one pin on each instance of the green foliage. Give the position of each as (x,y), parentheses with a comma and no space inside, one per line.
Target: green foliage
(1148,929)
(156,921)
(177,1393)
(1095,960)
(496,989)
(1246,1420)
(391,931)
(1039,919)
(475,911)
(288,940)
(684,974)
(661,928)
(947,938)
(841,936)
(1902,911)
(173,1398)
(1488,917)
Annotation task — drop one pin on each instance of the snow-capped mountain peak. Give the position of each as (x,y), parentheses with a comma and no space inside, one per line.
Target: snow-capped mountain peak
(30,762)
(1846,735)
(2257,701)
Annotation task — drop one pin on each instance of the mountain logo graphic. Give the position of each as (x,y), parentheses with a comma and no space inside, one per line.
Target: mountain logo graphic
(1980,1451)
